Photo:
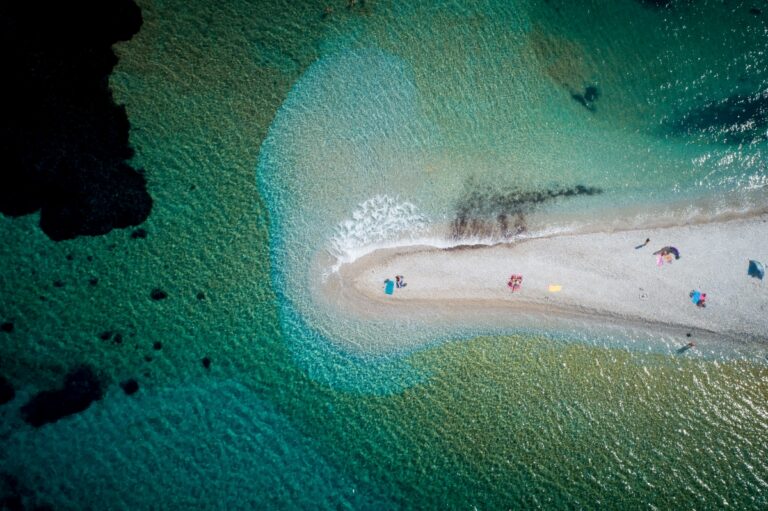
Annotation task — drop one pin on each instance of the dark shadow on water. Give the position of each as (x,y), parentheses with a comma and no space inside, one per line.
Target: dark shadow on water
(737,119)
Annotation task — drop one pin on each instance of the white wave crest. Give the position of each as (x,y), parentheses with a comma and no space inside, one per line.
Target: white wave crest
(378,222)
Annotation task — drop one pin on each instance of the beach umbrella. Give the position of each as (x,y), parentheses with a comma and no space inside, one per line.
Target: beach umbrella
(756,269)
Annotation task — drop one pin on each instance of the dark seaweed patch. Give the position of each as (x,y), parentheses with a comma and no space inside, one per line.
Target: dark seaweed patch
(486,211)
(15,496)
(7,392)
(158,294)
(588,98)
(81,388)
(130,386)
(63,140)
(139,234)
(737,119)
(10,493)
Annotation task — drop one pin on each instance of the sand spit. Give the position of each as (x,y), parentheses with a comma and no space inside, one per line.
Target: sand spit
(605,282)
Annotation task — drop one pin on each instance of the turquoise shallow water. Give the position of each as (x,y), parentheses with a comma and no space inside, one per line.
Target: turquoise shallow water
(541,117)
(272,132)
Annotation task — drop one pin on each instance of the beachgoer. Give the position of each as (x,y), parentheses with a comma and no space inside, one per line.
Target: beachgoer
(400,281)
(647,240)
(698,298)
(664,251)
(691,344)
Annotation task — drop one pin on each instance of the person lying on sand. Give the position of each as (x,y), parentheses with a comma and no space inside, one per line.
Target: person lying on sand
(698,298)
(515,281)
(665,251)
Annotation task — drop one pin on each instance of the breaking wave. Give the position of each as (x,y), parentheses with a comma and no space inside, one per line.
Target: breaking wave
(376,223)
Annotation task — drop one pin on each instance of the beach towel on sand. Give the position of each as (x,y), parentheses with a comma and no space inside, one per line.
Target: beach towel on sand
(695,296)
(554,288)
(389,287)
(756,269)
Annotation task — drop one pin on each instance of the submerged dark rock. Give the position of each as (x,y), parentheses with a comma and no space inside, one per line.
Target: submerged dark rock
(106,335)
(206,362)
(58,283)
(6,327)
(7,392)
(201,296)
(130,386)
(158,294)
(63,140)
(81,388)
(755,11)
(157,345)
(93,281)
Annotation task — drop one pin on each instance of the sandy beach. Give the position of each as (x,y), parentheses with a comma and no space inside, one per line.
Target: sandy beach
(605,283)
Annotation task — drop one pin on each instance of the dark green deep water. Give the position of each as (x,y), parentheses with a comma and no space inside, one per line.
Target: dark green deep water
(420,98)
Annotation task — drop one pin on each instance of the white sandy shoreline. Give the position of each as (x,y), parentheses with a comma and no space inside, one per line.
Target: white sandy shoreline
(605,281)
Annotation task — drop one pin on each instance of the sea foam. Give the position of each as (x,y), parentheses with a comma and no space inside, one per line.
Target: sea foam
(378,222)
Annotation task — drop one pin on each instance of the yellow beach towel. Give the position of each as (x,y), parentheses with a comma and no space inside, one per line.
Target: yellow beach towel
(554,288)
